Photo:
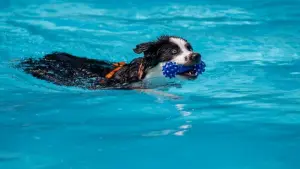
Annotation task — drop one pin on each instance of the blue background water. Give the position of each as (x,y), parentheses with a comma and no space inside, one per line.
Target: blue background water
(243,113)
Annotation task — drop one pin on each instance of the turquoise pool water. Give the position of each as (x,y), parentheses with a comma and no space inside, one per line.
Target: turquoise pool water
(243,113)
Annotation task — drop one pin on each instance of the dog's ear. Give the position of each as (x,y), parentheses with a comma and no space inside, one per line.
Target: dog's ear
(143,47)
(150,46)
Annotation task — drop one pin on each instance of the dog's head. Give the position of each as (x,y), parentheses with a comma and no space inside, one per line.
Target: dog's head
(169,48)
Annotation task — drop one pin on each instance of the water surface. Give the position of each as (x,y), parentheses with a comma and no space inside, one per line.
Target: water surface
(243,113)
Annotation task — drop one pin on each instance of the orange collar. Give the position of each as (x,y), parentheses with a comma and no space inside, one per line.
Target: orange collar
(118,66)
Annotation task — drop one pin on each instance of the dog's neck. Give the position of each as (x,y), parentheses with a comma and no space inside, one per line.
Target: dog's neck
(155,78)
(141,73)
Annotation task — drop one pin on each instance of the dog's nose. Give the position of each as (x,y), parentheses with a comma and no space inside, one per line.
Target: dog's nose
(195,57)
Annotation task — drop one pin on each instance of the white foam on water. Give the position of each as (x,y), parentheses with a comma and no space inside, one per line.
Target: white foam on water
(180,133)
(158,133)
(186,126)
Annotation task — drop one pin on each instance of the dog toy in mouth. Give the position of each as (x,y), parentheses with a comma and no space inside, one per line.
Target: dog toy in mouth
(171,69)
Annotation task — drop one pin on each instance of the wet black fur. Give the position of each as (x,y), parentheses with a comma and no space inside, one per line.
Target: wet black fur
(69,70)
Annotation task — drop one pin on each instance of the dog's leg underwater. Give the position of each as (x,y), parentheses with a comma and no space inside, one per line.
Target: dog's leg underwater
(159,93)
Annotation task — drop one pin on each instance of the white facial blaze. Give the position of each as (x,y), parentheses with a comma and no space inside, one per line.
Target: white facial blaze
(180,59)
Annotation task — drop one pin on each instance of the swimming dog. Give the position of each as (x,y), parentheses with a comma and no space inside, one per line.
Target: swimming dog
(141,73)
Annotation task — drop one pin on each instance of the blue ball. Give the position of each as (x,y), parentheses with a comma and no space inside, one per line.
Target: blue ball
(171,69)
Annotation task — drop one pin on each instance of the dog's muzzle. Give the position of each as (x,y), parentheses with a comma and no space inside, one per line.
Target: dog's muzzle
(195,57)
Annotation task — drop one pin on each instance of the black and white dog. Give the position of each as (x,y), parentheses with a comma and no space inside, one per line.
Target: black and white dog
(141,73)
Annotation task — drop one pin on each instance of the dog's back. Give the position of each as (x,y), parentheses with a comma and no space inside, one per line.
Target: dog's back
(66,69)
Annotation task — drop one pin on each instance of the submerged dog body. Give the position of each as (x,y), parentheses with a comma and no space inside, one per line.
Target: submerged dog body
(142,72)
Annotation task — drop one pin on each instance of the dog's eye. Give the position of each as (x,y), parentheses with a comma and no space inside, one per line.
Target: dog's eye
(189,47)
(174,51)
